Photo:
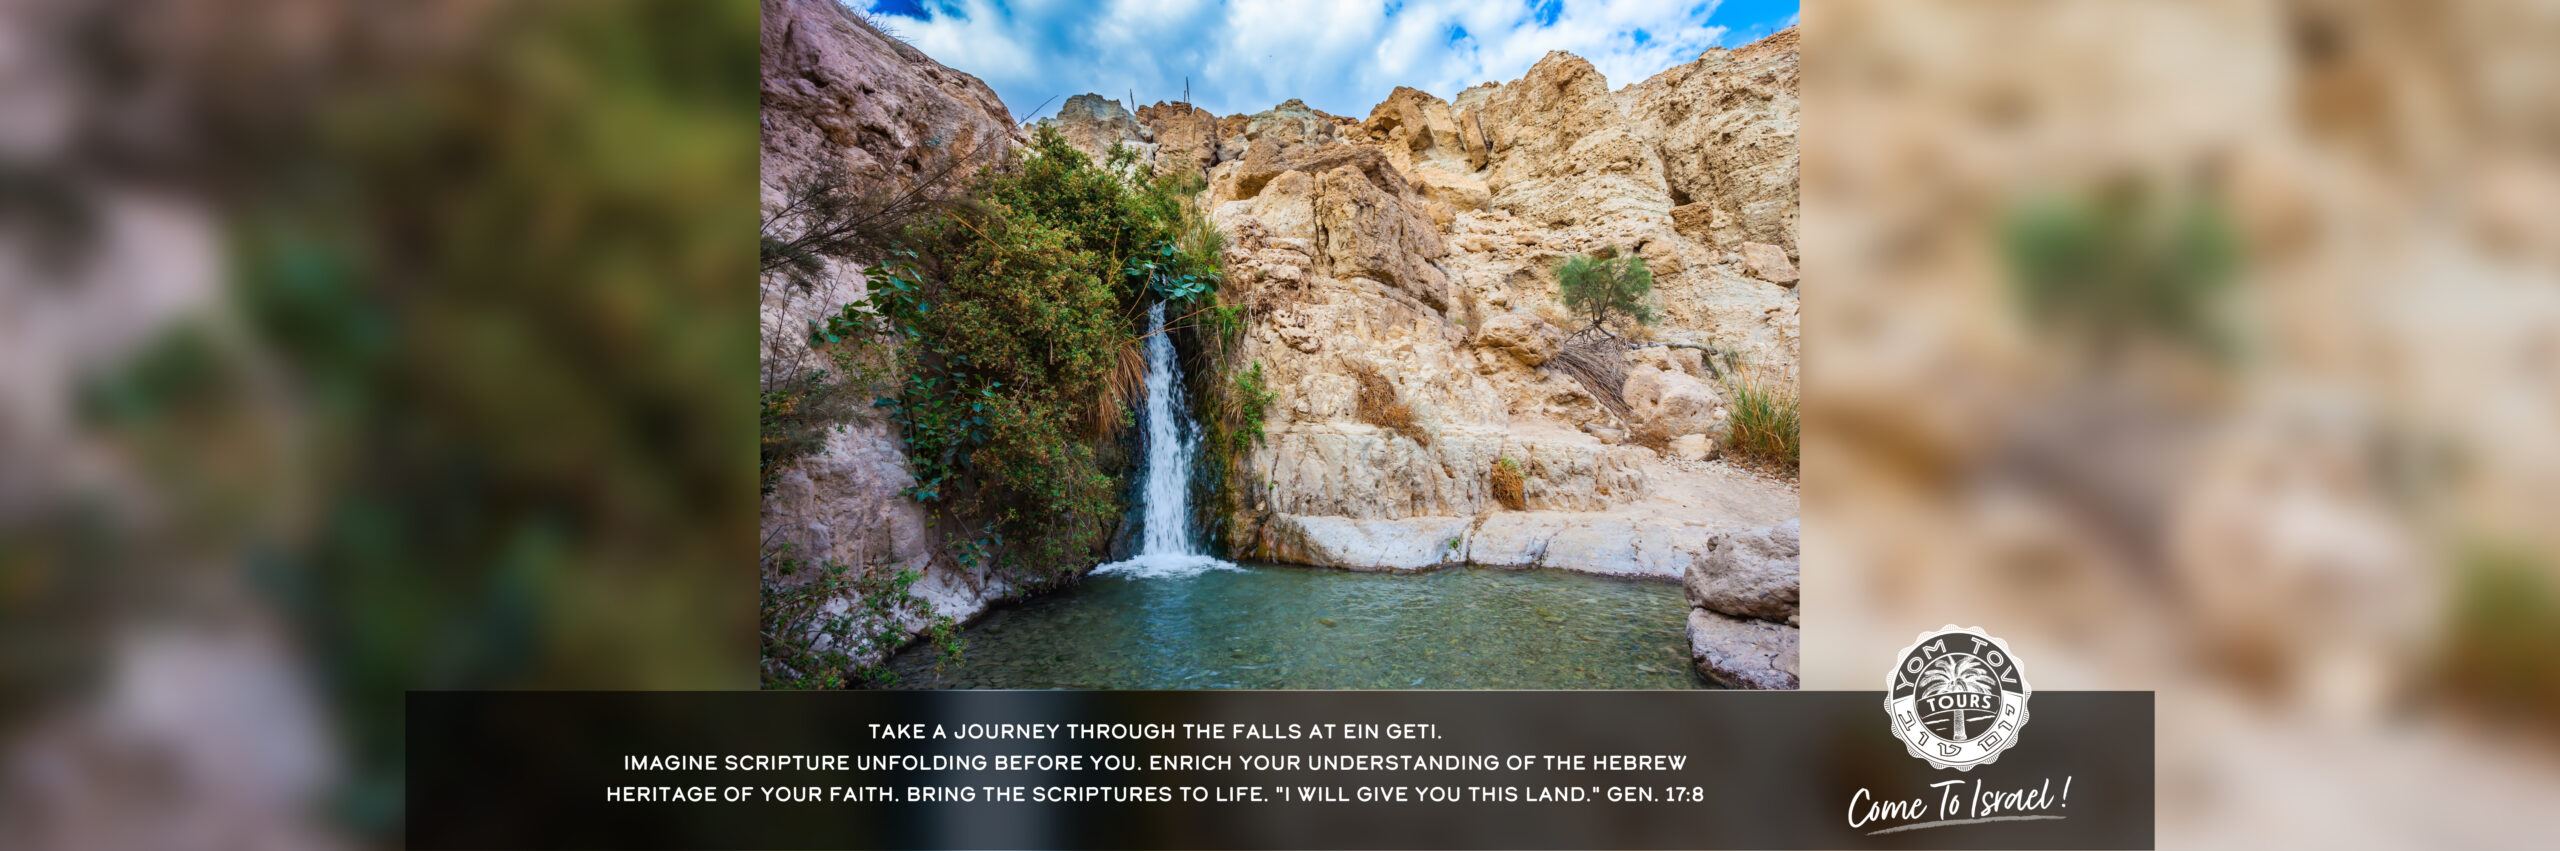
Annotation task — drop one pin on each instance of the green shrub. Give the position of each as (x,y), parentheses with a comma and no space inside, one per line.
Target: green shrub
(2501,653)
(2125,263)
(1010,318)
(804,646)
(1605,291)
(1252,402)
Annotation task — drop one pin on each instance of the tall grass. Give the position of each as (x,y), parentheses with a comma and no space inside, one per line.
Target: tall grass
(1762,424)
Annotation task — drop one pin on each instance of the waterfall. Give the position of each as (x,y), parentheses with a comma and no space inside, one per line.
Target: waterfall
(1166,546)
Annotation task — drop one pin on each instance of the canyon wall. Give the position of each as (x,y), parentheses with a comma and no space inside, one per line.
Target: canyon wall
(1406,256)
(1417,245)
(838,92)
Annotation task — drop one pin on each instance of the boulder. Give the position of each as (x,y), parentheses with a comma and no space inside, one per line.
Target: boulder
(1521,335)
(1768,263)
(1407,544)
(1743,653)
(1748,574)
(1693,447)
(1664,405)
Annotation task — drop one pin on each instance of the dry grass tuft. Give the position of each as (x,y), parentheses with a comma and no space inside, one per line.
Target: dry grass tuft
(1509,487)
(1121,389)
(1380,407)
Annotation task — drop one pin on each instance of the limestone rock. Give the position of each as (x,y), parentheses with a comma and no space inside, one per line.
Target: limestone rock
(1768,263)
(1186,136)
(1665,405)
(1095,124)
(1588,542)
(1749,573)
(1412,543)
(1292,121)
(1744,653)
(1422,127)
(1724,128)
(1561,154)
(837,91)
(1354,470)
(1693,447)
(1521,335)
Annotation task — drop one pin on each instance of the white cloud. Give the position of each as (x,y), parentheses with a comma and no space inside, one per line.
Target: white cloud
(1341,56)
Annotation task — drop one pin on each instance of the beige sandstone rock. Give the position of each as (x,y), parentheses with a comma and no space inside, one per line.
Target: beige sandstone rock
(1742,596)
(1744,653)
(1420,243)
(1413,543)
(1561,153)
(1421,127)
(1521,335)
(1693,447)
(1292,121)
(1666,405)
(1748,574)
(1724,127)
(1185,136)
(1768,263)
(1095,124)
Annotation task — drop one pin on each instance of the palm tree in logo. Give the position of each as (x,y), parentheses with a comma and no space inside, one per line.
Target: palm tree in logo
(1957,673)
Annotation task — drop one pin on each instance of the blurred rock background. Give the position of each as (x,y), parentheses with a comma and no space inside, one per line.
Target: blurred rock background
(348,348)
(2211,348)
(2205,347)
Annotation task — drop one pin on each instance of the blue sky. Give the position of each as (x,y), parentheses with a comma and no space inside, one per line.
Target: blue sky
(1340,56)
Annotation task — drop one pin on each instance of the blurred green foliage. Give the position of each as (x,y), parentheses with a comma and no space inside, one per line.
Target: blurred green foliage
(2503,651)
(2124,263)
(470,411)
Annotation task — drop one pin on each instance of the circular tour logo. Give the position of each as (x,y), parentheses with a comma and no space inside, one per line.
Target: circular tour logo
(1957,697)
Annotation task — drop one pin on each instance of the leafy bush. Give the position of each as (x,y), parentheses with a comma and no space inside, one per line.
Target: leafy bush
(1011,319)
(2123,264)
(1605,291)
(2501,655)
(805,646)
(1252,399)
(1762,421)
(1509,487)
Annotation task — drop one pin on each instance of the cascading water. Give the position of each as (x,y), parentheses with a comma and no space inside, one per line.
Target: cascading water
(1166,546)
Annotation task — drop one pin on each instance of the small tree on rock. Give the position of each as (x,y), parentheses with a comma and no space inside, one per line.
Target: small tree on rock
(1605,290)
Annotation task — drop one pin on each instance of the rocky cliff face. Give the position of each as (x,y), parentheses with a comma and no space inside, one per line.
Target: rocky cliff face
(1417,243)
(838,92)
(1412,247)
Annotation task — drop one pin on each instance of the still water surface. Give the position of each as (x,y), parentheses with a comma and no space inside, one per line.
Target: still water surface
(1267,626)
